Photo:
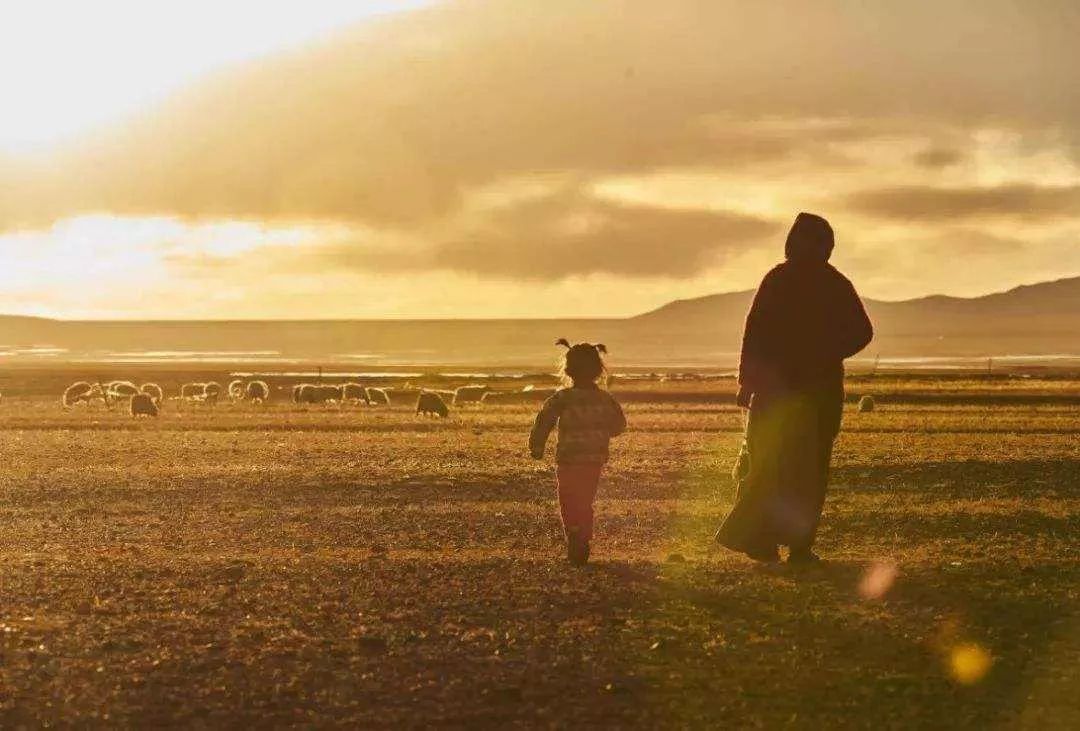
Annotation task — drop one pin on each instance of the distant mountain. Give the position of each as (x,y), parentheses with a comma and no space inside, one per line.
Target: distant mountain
(1037,319)
(1040,319)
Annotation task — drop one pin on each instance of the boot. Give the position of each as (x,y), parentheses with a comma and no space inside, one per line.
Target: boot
(577,548)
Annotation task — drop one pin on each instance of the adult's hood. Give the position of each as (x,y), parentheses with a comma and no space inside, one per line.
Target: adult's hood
(810,239)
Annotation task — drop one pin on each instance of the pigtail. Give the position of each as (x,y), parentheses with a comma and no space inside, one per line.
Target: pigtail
(600,347)
(563,342)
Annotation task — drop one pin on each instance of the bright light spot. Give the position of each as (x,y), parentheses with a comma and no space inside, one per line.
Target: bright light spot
(877,580)
(68,66)
(969,663)
(57,271)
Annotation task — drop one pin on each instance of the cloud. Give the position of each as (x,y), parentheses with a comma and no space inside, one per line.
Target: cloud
(399,144)
(394,123)
(937,158)
(564,234)
(910,263)
(925,204)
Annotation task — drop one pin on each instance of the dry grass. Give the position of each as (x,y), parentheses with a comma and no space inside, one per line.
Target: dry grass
(367,568)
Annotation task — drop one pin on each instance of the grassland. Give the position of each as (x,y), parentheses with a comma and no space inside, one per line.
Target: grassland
(368,568)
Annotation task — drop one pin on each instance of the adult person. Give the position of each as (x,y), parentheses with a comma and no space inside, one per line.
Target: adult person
(806,318)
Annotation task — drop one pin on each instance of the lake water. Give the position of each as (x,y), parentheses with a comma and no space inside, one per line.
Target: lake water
(483,365)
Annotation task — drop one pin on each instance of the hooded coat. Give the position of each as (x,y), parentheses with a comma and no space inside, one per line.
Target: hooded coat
(806,318)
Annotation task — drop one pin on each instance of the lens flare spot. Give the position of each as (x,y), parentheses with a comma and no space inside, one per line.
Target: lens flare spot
(877,580)
(969,663)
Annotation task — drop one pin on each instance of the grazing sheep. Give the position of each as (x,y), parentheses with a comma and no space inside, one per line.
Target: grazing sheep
(154,391)
(193,392)
(378,396)
(236,390)
(119,390)
(469,394)
(429,403)
(257,392)
(328,393)
(354,393)
(81,392)
(308,394)
(212,392)
(75,393)
(142,404)
(123,388)
(866,404)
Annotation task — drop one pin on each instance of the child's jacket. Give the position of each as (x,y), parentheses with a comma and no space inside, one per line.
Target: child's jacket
(587,417)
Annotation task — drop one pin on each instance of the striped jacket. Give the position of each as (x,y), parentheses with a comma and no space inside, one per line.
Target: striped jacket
(587,417)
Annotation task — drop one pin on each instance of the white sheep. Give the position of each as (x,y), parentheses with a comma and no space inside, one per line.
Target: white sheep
(332,393)
(321,394)
(256,392)
(81,392)
(469,394)
(191,392)
(154,391)
(236,390)
(353,392)
(120,390)
(212,392)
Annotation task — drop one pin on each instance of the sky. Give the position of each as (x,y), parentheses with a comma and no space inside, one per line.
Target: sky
(491,158)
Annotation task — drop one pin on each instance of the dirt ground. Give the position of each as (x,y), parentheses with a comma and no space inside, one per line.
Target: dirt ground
(365,567)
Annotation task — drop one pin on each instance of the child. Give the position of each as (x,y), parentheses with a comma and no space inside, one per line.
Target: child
(587,417)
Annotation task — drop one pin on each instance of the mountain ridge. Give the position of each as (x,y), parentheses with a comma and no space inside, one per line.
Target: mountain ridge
(1073,283)
(1030,320)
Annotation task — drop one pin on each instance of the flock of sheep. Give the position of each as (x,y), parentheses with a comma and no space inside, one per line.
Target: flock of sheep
(147,399)
(142,400)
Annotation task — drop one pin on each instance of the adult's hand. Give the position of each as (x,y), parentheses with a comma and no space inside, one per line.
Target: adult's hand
(743,397)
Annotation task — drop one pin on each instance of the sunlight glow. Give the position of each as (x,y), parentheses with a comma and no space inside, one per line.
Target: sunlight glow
(66,67)
(969,663)
(877,580)
(102,254)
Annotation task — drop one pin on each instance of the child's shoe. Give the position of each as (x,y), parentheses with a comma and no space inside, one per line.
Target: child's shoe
(577,548)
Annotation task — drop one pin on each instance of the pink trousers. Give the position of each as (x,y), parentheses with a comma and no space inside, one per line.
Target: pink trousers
(577,485)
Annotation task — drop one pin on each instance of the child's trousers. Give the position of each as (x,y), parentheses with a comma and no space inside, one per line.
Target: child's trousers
(577,490)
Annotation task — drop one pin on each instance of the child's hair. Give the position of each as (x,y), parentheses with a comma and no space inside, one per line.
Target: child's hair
(584,362)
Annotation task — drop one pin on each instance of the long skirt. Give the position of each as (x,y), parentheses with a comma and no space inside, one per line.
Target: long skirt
(789,438)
